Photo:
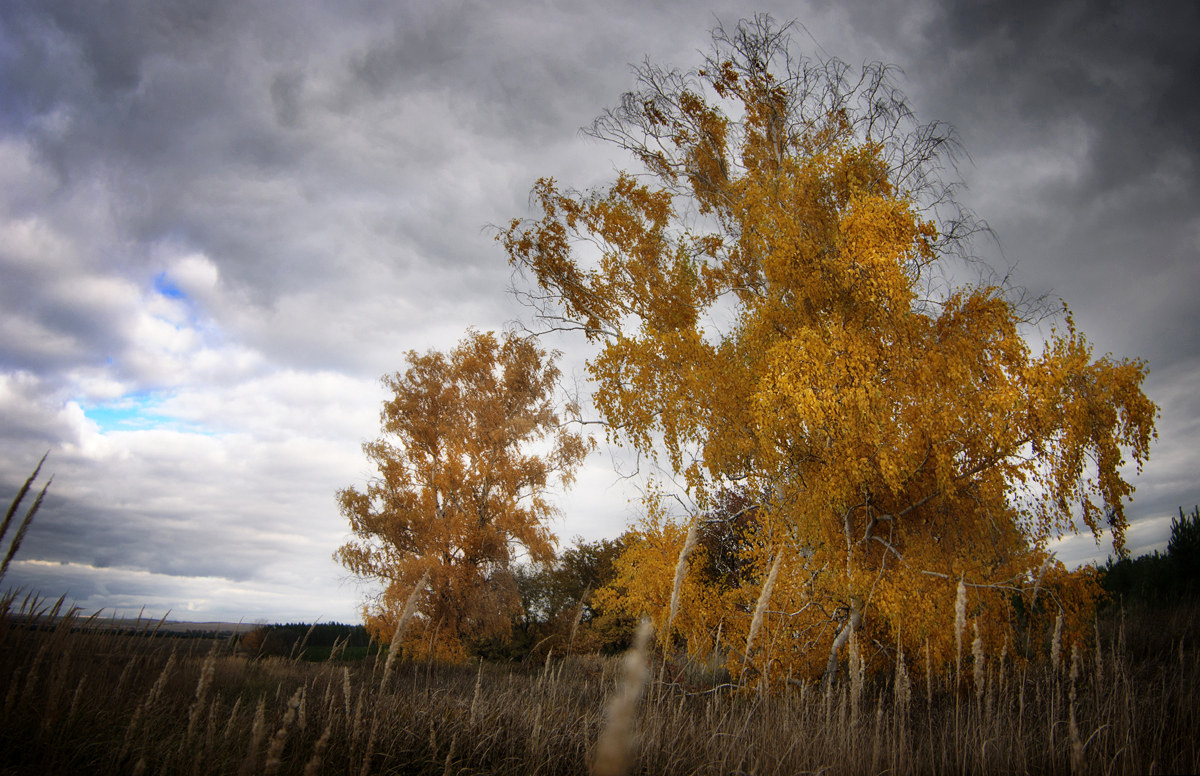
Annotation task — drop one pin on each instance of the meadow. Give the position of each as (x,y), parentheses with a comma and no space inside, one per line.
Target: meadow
(79,697)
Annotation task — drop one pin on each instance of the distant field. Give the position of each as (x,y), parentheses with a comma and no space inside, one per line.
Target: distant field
(166,628)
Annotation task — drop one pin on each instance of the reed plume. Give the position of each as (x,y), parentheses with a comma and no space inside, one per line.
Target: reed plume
(21,493)
(614,748)
(16,502)
(761,606)
(410,606)
(960,624)
(680,573)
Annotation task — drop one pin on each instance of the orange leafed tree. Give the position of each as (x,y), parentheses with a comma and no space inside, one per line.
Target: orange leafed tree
(775,313)
(472,447)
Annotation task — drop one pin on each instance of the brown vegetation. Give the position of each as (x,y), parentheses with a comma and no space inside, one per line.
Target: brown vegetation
(77,698)
(471,450)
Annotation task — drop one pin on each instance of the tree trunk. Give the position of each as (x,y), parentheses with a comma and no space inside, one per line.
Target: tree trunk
(851,624)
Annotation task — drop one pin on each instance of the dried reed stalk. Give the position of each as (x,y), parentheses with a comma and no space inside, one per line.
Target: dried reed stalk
(680,573)
(410,606)
(20,535)
(202,685)
(21,493)
(258,732)
(978,660)
(1076,741)
(960,624)
(761,606)
(475,696)
(903,687)
(615,745)
(1056,643)
(447,769)
(928,679)
(578,617)
(279,740)
(231,723)
(313,767)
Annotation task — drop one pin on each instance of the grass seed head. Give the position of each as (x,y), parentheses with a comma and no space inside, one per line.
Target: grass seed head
(978,659)
(960,619)
(763,598)
(1056,643)
(279,740)
(614,749)
(680,573)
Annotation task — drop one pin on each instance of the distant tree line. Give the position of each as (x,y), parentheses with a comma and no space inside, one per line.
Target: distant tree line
(1159,578)
(309,641)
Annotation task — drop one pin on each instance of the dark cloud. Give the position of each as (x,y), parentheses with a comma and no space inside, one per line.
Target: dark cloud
(425,43)
(47,332)
(107,68)
(1078,119)
(286,94)
(1127,69)
(70,531)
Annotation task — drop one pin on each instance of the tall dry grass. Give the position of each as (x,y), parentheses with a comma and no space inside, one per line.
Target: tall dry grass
(15,543)
(78,697)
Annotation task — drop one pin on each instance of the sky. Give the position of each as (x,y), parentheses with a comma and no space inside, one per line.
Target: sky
(222,222)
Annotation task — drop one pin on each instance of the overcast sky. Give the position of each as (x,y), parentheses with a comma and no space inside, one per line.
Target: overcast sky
(221,222)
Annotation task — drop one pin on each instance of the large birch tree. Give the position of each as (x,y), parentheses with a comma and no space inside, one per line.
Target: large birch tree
(774,307)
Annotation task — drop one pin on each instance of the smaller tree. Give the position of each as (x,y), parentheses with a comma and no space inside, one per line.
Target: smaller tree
(1184,545)
(560,600)
(471,450)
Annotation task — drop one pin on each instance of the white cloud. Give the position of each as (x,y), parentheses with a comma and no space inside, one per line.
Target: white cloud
(195,274)
(1143,536)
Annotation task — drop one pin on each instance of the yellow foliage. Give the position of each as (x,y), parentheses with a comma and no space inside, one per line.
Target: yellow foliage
(459,490)
(896,440)
(643,582)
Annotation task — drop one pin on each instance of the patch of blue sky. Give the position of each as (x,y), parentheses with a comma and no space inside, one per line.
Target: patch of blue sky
(192,314)
(141,411)
(166,287)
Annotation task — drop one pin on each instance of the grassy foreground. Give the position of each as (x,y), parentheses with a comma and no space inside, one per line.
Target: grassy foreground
(80,699)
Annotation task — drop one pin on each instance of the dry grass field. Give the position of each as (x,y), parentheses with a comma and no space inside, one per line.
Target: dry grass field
(79,698)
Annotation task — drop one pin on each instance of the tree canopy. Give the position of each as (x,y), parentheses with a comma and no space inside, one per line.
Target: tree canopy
(472,447)
(773,311)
